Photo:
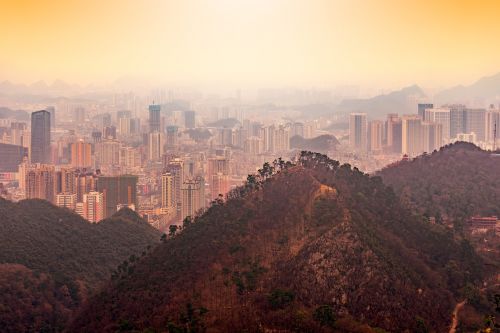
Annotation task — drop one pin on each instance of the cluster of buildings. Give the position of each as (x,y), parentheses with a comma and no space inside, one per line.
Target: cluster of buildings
(425,131)
(169,160)
(160,163)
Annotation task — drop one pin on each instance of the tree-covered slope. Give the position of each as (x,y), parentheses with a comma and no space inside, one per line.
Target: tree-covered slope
(314,247)
(458,181)
(59,250)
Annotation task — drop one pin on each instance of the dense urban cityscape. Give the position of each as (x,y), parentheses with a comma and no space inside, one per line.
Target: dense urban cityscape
(169,160)
(267,166)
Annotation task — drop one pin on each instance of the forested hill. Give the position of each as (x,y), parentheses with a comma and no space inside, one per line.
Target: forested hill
(314,247)
(459,180)
(51,259)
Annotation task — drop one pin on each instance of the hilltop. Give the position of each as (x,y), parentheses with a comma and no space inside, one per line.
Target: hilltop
(58,259)
(322,143)
(315,247)
(458,181)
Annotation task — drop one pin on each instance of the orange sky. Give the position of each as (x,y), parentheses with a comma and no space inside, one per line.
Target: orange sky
(386,43)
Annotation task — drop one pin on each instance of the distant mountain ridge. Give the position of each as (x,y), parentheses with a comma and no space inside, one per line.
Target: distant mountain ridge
(379,106)
(486,89)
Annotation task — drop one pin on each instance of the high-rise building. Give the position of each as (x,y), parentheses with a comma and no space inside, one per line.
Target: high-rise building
(412,143)
(176,169)
(282,136)
(218,175)
(155,118)
(18,135)
(11,156)
(156,142)
(189,119)
(375,134)
(172,134)
(81,154)
(167,192)
(297,130)
(475,122)
(109,152)
(66,200)
(66,181)
(253,146)
(52,111)
(391,117)
(110,132)
(440,116)
(79,115)
(358,131)
(93,206)
(493,127)
(193,197)
(130,157)
(421,109)
(40,137)
(40,182)
(124,126)
(117,190)
(432,136)
(457,120)
(85,182)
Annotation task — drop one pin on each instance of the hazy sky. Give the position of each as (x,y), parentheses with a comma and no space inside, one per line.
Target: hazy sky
(385,43)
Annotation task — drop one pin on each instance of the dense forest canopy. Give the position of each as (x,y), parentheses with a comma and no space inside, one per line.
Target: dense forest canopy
(315,246)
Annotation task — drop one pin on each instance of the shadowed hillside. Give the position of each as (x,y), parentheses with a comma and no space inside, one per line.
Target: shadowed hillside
(458,181)
(316,247)
(62,259)
(322,143)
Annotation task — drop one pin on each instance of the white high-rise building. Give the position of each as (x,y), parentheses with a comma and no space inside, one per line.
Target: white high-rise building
(440,116)
(375,134)
(93,206)
(358,131)
(193,197)
(412,143)
(155,146)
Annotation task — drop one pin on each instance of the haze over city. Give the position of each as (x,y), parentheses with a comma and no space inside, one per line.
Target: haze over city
(384,44)
(218,166)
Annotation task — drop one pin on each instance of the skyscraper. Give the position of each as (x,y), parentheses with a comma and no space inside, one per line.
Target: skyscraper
(93,206)
(40,182)
(40,137)
(375,131)
(155,146)
(11,157)
(440,116)
(412,143)
(154,118)
(81,153)
(358,131)
(193,197)
(189,119)
(52,111)
(66,200)
(117,190)
(421,109)
(457,120)
(475,122)
(167,192)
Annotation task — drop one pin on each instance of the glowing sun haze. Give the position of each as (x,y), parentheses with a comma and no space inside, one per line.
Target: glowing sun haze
(250,42)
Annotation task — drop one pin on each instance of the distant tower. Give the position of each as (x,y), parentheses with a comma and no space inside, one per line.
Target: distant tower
(154,118)
(40,137)
(422,108)
(358,131)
